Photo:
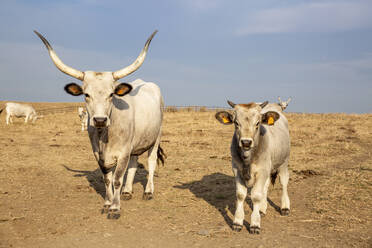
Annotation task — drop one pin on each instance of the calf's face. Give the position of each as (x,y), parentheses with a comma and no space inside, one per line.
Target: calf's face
(247,119)
(99,88)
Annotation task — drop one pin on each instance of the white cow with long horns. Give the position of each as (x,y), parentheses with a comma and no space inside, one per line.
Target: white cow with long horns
(125,121)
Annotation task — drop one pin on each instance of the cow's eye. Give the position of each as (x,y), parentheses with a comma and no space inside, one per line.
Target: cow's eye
(257,125)
(111,95)
(87,95)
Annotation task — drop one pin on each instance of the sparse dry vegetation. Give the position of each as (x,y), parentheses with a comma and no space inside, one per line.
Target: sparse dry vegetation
(51,188)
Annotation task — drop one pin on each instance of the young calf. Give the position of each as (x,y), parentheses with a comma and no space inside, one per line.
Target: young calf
(83,115)
(260,148)
(283,104)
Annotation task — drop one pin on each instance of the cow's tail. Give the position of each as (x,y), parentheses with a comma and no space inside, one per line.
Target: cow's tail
(274,175)
(161,156)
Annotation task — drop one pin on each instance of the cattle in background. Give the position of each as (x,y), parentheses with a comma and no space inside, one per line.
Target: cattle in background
(260,150)
(83,115)
(125,121)
(283,104)
(19,110)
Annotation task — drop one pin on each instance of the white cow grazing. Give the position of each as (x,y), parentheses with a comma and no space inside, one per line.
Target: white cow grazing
(124,122)
(283,104)
(83,115)
(260,148)
(19,110)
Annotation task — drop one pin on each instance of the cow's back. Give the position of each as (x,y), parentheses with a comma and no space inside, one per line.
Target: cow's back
(141,112)
(18,110)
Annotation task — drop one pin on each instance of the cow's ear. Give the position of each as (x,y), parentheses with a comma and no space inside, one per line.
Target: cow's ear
(224,117)
(122,89)
(270,117)
(73,89)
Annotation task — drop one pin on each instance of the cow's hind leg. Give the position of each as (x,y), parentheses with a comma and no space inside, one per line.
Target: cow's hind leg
(284,177)
(152,161)
(132,168)
(241,194)
(114,210)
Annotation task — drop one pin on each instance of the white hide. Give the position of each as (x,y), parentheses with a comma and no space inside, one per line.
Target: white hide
(19,110)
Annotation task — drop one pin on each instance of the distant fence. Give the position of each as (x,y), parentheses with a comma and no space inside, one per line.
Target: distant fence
(49,111)
(193,108)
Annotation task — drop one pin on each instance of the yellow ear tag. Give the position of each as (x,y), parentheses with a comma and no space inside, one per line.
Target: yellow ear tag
(270,121)
(225,119)
(121,91)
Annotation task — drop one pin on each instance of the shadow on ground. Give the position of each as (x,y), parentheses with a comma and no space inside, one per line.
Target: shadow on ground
(95,178)
(219,191)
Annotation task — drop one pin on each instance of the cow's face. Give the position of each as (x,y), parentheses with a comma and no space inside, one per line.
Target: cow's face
(99,88)
(247,119)
(284,104)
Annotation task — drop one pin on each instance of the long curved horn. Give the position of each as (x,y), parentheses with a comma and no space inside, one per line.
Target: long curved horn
(137,63)
(60,65)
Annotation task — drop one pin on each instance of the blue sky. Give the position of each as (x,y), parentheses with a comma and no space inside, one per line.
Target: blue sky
(206,51)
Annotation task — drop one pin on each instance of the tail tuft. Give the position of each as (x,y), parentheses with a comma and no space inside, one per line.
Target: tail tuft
(161,156)
(273,177)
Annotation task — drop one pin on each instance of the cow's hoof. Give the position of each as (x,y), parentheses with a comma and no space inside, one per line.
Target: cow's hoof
(262,214)
(113,214)
(126,196)
(105,209)
(284,212)
(147,196)
(237,227)
(254,230)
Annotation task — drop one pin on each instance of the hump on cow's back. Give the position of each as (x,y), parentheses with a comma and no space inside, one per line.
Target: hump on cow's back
(140,85)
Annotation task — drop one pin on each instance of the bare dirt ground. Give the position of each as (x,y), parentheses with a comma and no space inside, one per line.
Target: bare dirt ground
(51,191)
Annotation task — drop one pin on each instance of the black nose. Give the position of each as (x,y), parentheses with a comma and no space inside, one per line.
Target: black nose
(100,121)
(246,142)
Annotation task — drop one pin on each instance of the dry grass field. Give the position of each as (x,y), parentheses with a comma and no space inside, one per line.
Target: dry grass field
(51,190)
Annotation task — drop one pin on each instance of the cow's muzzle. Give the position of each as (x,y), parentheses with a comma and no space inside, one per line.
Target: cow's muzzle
(100,122)
(246,144)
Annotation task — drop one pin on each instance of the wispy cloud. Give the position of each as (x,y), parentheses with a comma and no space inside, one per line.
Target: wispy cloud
(330,16)
(202,5)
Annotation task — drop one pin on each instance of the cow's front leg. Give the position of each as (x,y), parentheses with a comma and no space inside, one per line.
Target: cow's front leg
(107,178)
(241,194)
(263,205)
(122,164)
(7,119)
(257,196)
